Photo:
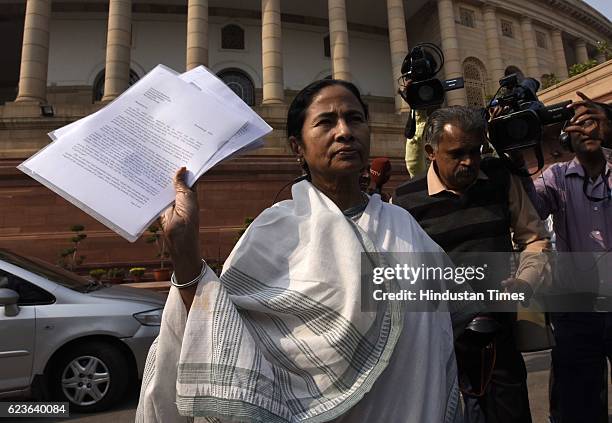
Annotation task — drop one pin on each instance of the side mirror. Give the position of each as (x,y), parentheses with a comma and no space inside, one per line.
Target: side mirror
(9,299)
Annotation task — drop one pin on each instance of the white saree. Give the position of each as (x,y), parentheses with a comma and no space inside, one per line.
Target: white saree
(281,337)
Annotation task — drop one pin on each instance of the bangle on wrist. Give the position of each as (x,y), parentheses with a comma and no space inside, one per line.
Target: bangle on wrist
(192,282)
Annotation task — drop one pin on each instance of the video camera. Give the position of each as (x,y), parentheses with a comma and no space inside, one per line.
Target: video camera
(520,126)
(420,66)
(523,116)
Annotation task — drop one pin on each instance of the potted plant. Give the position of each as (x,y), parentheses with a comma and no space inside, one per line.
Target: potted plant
(115,275)
(156,237)
(97,274)
(136,273)
(69,258)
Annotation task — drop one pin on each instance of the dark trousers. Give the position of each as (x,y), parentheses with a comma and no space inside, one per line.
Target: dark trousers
(505,399)
(583,342)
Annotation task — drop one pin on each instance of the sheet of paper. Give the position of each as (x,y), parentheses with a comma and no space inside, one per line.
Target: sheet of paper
(118,164)
(250,136)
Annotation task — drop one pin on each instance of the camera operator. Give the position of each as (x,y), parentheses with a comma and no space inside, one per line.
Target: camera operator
(471,205)
(416,162)
(424,93)
(578,196)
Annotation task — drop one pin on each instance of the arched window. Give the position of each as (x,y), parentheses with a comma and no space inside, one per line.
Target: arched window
(475,76)
(232,37)
(240,83)
(98,87)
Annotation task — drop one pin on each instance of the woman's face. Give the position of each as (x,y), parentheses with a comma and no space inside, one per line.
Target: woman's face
(335,136)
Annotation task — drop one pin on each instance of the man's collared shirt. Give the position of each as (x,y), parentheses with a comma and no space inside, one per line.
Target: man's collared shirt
(581,224)
(528,230)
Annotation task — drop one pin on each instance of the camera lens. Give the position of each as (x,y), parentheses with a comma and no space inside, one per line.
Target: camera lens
(426,93)
(518,129)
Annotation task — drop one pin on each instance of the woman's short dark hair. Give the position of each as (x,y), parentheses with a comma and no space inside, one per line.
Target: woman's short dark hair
(301,102)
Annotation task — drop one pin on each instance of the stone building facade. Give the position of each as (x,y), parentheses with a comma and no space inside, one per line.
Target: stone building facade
(63,60)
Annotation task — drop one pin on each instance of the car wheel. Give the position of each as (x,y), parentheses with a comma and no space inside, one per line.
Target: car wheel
(92,377)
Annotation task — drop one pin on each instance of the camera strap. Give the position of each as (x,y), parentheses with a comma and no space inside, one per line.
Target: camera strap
(410,128)
(521,171)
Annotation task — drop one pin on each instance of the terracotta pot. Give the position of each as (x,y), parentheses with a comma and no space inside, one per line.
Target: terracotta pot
(136,278)
(161,274)
(116,280)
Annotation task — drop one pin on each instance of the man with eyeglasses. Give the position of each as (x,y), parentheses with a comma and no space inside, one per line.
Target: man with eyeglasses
(578,195)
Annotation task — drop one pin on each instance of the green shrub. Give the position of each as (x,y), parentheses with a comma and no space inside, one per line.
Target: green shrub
(549,79)
(578,68)
(137,271)
(115,273)
(97,274)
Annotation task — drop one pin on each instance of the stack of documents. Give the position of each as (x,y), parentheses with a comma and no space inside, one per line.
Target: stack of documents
(118,163)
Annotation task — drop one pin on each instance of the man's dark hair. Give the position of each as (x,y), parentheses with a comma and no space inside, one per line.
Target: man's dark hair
(301,102)
(468,119)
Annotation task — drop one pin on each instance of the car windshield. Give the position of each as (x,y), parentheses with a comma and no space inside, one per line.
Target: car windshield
(56,274)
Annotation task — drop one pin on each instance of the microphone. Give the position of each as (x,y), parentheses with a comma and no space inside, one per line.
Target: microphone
(380,170)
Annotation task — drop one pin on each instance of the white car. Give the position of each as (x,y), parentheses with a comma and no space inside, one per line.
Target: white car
(65,338)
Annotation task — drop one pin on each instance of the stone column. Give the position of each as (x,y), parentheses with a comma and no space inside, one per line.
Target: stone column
(582,55)
(118,46)
(399,46)
(338,39)
(531,52)
(35,52)
(450,47)
(559,54)
(272,58)
(600,58)
(197,33)
(496,64)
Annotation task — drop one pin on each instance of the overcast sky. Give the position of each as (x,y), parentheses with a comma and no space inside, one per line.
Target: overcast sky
(603,6)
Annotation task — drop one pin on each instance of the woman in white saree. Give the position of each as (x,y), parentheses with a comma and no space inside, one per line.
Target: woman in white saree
(281,336)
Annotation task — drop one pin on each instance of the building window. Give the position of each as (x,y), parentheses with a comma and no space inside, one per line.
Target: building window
(506,27)
(240,83)
(98,87)
(541,39)
(326,46)
(474,75)
(232,37)
(467,18)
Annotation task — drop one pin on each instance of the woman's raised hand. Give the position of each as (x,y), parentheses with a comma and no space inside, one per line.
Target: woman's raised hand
(181,225)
